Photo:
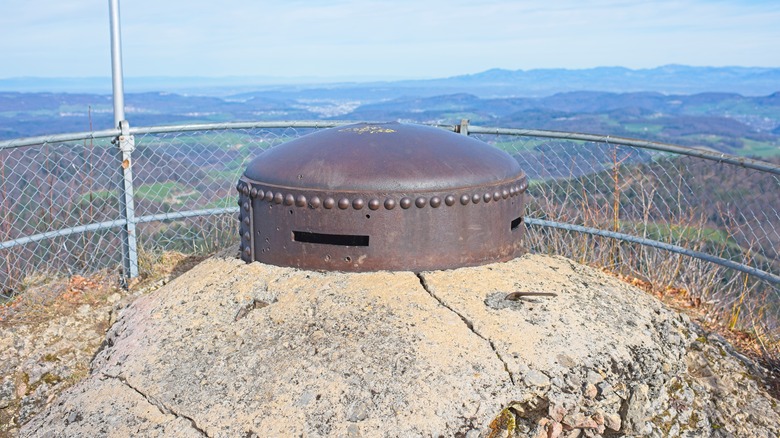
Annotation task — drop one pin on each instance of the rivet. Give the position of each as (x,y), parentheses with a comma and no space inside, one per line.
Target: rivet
(253,192)
(315,202)
(343,203)
(246,206)
(476,198)
(247,236)
(496,195)
(260,194)
(420,202)
(449,200)
(389,203)
(289,199)
(329,203)
(300,201)
(245,190)
(435,202)
(247,251)
(406,203)
(464,199)
(512,191)
(278,198)
(238,186)
(246,221)
(504,193)
(374,204)
(240,201)
(269,196)
(358,203)
(487,197)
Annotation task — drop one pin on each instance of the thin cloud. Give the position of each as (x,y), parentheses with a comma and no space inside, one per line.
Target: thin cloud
(382,38)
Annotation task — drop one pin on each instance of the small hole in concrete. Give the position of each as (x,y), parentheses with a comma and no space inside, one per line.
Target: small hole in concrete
(347,259)
(368,216)
(291,212)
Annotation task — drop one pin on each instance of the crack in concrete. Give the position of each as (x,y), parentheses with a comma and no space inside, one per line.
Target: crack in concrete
(159,405)
(468,323)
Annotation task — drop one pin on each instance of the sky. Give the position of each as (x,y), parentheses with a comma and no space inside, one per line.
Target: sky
(370,39)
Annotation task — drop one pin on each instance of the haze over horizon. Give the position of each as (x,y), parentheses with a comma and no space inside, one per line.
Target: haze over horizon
(335,40)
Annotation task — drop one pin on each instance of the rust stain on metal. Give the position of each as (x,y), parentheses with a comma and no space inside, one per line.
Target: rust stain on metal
(414,198)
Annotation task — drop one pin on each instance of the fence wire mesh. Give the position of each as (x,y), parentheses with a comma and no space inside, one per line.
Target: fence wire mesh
(48,189)
(703,205)
(715,208)
(179,172)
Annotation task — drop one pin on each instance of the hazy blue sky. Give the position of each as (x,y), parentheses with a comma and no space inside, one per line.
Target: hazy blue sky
(369,38)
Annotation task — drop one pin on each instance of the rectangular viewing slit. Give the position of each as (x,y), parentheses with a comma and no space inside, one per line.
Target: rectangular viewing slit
(516,223)
(330,239)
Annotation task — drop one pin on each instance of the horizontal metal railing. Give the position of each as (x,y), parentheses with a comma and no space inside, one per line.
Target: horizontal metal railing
(644,144)
(267,134)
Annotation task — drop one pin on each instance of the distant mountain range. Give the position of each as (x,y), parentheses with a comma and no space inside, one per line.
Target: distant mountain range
(669,79)
(732,109)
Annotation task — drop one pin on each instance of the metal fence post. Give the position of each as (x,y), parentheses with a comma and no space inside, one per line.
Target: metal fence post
(117,81)
(126,144)
(463,127)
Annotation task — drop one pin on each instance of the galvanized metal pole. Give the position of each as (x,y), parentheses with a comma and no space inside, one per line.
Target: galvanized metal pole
(126,143)
(116,63)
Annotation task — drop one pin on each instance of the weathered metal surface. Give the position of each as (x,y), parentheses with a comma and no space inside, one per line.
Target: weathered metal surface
(370,197)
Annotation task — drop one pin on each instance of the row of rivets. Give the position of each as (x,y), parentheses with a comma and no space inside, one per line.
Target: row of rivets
(374,204)
(243,203)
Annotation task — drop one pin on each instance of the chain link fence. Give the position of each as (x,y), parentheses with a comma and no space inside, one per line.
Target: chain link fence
(625,207)
(51,196)
(638,212)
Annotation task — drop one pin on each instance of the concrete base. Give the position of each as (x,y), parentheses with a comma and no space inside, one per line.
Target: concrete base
(230,349)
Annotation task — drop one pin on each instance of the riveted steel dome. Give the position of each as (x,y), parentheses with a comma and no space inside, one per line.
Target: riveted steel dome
(387,196)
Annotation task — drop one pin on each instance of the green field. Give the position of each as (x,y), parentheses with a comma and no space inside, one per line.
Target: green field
(169,192)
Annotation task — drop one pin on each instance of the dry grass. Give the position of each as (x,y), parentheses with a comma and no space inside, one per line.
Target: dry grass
(159,267)
(45,296)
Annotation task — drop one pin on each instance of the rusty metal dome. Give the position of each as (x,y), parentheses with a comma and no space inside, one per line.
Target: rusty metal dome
(385,196)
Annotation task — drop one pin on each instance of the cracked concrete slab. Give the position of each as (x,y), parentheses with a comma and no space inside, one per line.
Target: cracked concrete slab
(107,407)
(230,349)
(165,410)
(586,315)
(329,354)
